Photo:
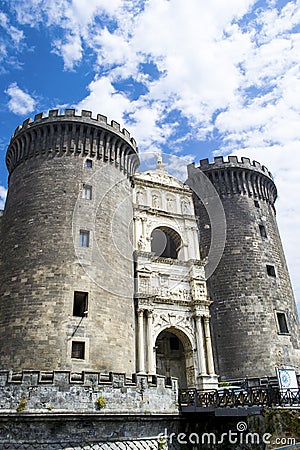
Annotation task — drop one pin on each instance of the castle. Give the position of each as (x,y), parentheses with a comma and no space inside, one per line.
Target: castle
(105,269)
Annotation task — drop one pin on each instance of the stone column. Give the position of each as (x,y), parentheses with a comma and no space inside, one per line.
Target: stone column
(150,346)
(200,346)
(141,348)
(196,243)
(136,231)
(210,359)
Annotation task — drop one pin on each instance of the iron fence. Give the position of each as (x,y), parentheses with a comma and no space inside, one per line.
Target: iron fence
(254,396)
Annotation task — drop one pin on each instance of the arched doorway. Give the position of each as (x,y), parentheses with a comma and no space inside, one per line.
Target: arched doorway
(165,242)
(174,357)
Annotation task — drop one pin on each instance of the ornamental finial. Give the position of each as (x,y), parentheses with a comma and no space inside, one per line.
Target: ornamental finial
(160,165)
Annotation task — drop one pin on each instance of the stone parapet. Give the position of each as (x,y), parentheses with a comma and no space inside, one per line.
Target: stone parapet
(239,177)
(32,391)
(233,161)
(68,134)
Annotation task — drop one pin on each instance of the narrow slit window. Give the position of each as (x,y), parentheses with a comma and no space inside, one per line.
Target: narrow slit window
(84,238)
(80,304)
(262,230)
(88,163)
(78,350)
(256,204)
(87,192)
(271,271)
(282,323)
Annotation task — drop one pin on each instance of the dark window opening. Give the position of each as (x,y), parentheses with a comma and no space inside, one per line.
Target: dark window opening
(256,204)
(80,304)
(78,350)
(271,271)
(262,230)
(165,242)
(84,238)
(88,163)
(174,343)
(282,323)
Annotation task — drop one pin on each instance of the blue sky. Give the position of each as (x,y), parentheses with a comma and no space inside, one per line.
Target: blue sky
(188,77)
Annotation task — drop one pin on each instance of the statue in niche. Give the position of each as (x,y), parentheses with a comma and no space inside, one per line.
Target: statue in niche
(155,201)
(140,197)
(185,204)
(170,203)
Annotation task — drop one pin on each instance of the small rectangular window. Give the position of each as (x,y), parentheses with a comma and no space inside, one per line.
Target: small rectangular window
(84,238)
(256,204)
(271,271)
(78,350)
(88,163)
(262,230)
(87,192)
(80,304)
(282,323)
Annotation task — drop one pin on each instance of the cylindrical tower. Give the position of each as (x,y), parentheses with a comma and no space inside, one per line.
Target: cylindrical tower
(66,288)
(254,319)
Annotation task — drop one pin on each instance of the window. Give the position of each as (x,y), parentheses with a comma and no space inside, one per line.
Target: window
(78,350)
(87,192)
(88,163)
(80,304)
(271,271)
(256,204)
(84,238)
(282,323)
(262,230)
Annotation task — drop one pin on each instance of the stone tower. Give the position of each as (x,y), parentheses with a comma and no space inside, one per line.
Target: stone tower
(254,318)
(66,285)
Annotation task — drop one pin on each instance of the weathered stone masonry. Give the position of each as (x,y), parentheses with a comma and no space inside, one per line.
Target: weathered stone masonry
(247,300)
(43,264)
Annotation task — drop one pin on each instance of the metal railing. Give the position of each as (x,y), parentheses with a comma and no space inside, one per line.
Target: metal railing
(254,396)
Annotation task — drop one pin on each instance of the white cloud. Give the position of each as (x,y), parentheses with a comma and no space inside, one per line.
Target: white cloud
(3,193)
(103,97)
(11,42)
(20,102)
(14,33)
(75,17)
(70,49)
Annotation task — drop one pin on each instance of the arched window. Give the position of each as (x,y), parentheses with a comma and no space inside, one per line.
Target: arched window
(165,242)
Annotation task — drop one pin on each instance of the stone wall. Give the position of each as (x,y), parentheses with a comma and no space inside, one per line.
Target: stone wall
(85,432)
(59,410)
(64,391)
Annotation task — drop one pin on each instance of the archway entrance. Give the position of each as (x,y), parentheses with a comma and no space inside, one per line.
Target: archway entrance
(174,357)
(165,242)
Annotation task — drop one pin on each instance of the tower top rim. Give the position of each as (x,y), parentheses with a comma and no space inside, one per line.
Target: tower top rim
(54,116)
(233,162)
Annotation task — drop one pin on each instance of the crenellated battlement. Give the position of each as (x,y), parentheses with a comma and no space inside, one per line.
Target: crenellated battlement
(239,177)
(68,133)
(70,114)
(57,377)
(245,163)
(68,391)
